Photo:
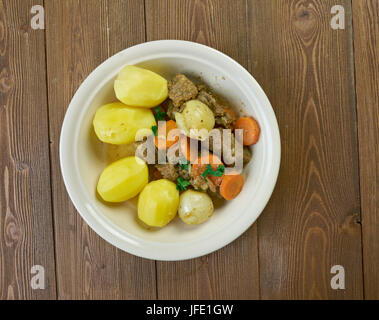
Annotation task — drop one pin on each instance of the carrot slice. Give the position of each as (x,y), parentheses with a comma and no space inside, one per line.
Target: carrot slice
(165,132)
(200,165)
(231,113)
(231,186)
(251,130)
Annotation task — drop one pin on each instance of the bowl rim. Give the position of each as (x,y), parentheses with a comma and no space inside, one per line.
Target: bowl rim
(113,233)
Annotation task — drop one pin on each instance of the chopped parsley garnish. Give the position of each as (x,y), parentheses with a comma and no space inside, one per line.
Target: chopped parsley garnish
(184,165)
(210,172)
(155,130)
(159,114)
(220,171)
(182,184)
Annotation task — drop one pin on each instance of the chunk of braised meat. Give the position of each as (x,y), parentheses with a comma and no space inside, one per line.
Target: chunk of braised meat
(201,183)
(222,117)
(167,171)
(167,105)
(197,180)
(225,120)
(181,89)
(171,109)
(206,97)
(212,186)
(184,173)
(170,171)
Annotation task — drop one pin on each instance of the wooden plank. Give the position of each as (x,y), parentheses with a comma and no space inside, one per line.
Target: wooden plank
(366,44)
(230,273)
(25,199)
(77,41)
(313,219)
(137,274)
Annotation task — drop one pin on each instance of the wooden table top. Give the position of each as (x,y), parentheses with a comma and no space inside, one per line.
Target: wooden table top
(324,87)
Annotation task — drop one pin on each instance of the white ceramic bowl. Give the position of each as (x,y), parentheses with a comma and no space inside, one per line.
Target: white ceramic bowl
(82,163)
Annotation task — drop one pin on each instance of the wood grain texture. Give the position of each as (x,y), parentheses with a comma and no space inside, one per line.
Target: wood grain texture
(138,275)
(366,44)
(324,210)
(26,226)
(78,41)
(232,272)
(312,221)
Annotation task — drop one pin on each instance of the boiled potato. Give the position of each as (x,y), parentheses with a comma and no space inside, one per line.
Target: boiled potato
(196,120)
(117,123)
(139,87)
(158,203)
(195,207)
(123,179)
